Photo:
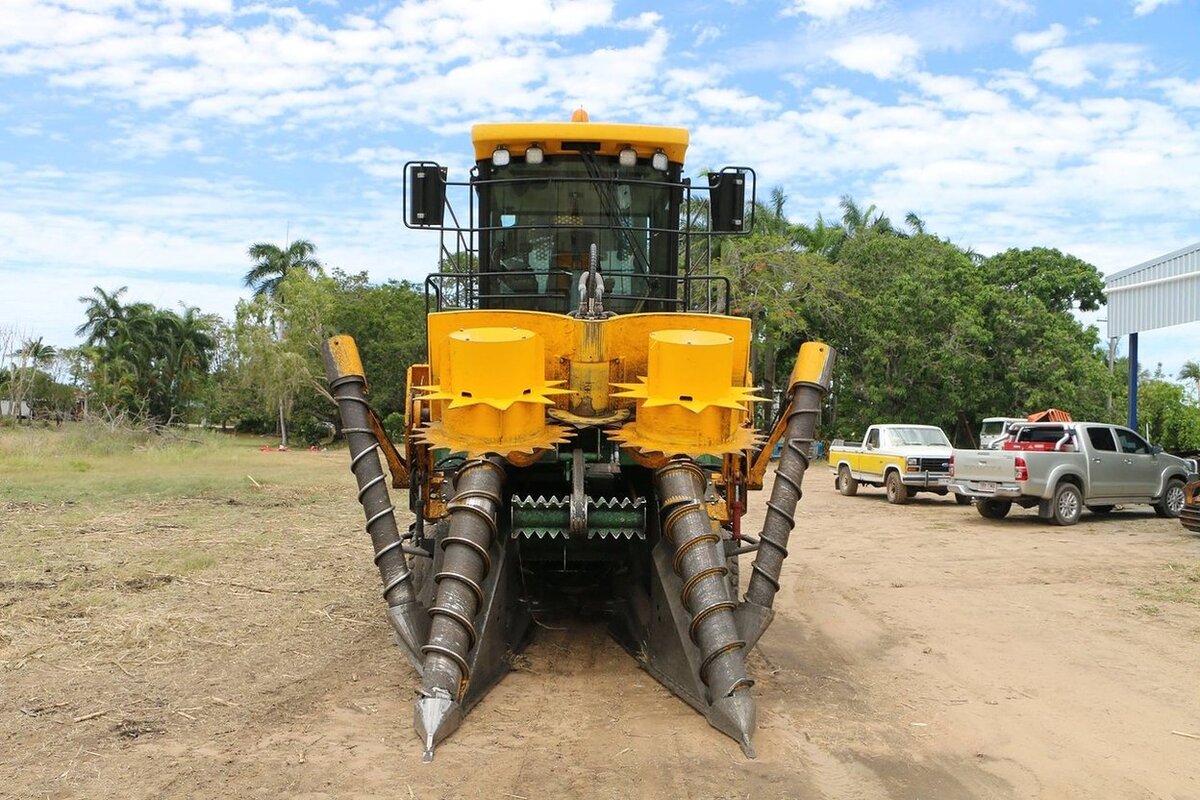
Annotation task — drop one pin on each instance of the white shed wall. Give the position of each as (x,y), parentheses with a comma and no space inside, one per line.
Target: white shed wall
(1159,293)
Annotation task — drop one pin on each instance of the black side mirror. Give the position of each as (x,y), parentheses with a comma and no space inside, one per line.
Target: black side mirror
(426,194)
(727,200)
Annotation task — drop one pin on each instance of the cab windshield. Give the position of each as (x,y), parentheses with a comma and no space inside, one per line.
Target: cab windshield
(539,221)
(910,437)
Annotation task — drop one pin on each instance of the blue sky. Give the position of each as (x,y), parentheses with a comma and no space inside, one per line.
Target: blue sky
(149,143)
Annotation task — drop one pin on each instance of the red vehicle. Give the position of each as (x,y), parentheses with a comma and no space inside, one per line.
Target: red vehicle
(1056,439)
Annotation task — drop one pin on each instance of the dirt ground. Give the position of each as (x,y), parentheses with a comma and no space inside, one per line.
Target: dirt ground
(233,643)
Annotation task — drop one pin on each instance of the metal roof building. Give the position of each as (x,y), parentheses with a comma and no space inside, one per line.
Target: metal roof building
(1158,293)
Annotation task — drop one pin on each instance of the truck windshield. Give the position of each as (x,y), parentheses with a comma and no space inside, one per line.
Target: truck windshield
(993,427)
(909,437)
(540,220)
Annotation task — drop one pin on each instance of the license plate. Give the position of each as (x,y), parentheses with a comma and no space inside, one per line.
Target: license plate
(987,486)
(942,481)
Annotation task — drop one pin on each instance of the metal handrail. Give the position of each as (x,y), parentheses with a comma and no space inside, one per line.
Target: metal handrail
(435,293)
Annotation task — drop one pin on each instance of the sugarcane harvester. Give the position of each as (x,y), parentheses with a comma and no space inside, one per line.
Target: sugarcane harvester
(581,434)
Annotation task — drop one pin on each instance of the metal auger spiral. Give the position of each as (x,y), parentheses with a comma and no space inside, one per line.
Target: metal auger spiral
(348,385)
(459,595)
(699,561)
(809,385)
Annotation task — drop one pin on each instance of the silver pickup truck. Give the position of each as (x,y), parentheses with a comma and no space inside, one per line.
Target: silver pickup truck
(1064,467)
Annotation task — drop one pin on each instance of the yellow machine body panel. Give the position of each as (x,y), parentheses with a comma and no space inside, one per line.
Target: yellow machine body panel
(550,136)
(623,342)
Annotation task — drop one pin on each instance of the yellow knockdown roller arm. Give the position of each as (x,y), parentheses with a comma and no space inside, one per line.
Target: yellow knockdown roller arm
(814,363)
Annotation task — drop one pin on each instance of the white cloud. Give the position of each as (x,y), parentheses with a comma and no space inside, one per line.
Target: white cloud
(733,101)
(884,55)
(827,9)
(960,94)
(1072,67)
(1053,36)
(1180,92)
(146,141)
(705,34)
(198,6)
(1143,7)
(428,62)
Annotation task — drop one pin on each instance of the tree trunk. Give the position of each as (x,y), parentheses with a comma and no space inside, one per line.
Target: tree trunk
(282,426)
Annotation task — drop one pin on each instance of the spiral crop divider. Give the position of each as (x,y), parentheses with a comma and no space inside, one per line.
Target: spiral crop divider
(466,564)
(699,562)
(785,494)
(389,557)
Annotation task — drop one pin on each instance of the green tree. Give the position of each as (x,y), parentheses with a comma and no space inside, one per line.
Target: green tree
(821,238)
(924,328)
(271,268)
(1165,415)
(270,368)
(105,317)
(144,362)
(1191,372)
(1060,281)
(388,322)
(272,264)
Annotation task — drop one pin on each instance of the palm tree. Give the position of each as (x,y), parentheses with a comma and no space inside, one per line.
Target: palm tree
(820,238)
(856,219)
(104,316)
(915,223)
(22,374)
(272,264)
(1191,372)
(37,353)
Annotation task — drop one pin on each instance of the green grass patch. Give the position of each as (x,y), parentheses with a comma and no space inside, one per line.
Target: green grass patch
(1179,583)
(86,463)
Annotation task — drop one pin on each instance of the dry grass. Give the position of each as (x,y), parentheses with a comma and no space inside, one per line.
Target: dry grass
(1177,583)
(153,586)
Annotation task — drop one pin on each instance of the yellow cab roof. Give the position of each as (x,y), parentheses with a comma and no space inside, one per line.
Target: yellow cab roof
(611,138)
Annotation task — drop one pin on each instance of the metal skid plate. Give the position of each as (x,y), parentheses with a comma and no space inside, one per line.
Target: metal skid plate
(653,627)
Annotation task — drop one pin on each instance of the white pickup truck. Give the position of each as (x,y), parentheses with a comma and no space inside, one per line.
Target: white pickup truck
(1064,467)
(904,459)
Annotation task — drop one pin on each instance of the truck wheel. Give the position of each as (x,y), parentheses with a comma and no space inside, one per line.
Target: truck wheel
(846,483)
(1172,500)
(962,499)
(897,492)
(1067,504)
(993,509)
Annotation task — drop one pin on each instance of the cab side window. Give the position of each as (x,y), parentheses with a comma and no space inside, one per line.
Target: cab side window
(1101,439)
(873,438)
(1132,443)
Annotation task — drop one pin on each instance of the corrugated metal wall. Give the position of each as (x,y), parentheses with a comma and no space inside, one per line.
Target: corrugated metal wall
(1156,294)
